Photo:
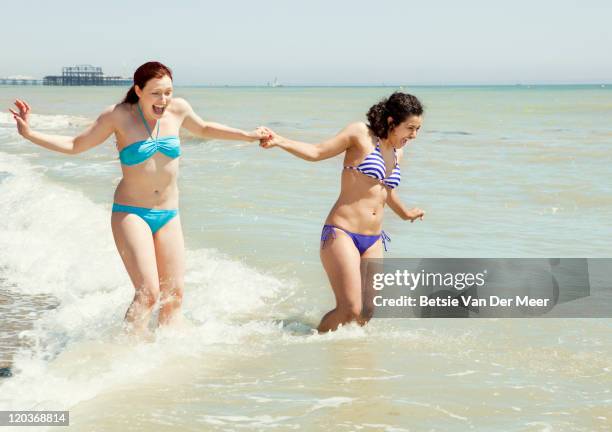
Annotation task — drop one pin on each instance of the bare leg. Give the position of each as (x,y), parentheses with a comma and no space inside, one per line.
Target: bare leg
(341,261)
(374,251)
(135,245)
(170,253)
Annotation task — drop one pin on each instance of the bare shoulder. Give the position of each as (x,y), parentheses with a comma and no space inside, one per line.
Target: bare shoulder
(112,114)
(121,115)
(360,135)
(357,130)
(119,110)
(180,105)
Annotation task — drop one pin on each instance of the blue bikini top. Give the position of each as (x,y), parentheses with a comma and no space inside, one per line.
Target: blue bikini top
(140,151)
(374,166)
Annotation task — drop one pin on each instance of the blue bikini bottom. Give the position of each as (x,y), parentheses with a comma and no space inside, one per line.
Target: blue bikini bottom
(155,218)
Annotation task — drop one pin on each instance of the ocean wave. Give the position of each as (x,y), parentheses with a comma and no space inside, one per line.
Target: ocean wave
(46,121)
(56,241)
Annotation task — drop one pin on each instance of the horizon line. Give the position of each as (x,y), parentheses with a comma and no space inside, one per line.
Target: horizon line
(361,85)
(602,84)
(597,83)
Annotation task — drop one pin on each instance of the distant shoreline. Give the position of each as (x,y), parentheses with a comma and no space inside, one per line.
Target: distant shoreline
(596,85)
(252,86)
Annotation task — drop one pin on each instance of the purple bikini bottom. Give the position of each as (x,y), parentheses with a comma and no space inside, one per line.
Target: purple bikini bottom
(362,242)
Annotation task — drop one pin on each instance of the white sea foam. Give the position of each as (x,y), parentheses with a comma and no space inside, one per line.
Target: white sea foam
(46,121)
(332,402)
(56,241)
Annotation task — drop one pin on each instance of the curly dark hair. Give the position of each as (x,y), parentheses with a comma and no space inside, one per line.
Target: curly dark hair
(399,106)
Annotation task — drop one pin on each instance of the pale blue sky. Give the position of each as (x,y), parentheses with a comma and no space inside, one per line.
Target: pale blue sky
(317,41)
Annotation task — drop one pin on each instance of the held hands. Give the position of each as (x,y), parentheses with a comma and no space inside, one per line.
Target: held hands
(260,134)
(21,117)
(272,139)
(414,214)
(267,137)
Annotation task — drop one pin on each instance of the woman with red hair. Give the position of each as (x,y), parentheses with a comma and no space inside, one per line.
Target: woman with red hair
(145,221)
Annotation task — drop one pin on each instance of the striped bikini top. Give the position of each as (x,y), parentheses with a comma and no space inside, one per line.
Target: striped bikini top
(140,151)
(374,166)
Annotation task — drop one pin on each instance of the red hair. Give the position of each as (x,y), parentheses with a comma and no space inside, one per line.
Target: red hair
(142,75)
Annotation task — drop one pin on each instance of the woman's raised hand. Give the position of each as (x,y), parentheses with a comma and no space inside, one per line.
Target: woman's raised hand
(21,117)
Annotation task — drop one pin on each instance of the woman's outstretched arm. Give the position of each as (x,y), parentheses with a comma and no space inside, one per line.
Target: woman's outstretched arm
(205,129)
(319,151)
(94,135)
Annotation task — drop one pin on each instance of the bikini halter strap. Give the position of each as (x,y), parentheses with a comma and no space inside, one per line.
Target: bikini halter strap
(378,145)
(147,126)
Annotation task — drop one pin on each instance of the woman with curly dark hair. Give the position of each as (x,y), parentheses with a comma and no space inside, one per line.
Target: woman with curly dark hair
(353,228)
